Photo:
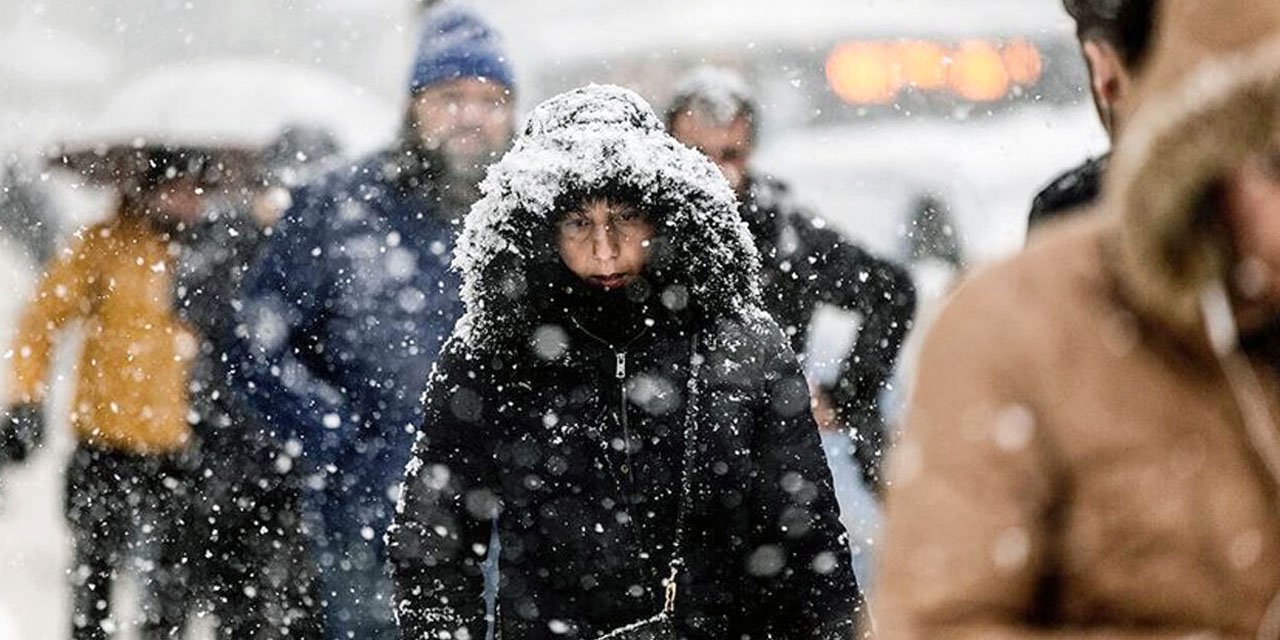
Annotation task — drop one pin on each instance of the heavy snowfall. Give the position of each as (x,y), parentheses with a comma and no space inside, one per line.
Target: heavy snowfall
(675,319)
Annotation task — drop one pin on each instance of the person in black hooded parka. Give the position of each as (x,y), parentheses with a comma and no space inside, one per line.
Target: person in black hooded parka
(613,327)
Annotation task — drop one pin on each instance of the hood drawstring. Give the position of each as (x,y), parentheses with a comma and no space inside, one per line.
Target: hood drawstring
(1250,398)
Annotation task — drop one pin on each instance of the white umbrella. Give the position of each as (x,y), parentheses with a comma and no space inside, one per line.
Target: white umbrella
(228,106)
(236,103)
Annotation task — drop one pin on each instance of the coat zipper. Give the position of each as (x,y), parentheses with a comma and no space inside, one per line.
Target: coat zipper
(620,375)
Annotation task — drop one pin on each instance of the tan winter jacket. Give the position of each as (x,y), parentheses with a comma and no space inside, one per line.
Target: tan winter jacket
(1075,462)
(131,384)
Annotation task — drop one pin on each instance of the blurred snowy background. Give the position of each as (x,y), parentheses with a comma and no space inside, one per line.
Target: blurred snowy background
(1012,113)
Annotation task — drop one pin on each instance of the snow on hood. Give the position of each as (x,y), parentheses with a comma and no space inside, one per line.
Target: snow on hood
(591,140)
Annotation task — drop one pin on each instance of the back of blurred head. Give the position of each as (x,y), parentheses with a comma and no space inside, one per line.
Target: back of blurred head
(714,112)
(462,104)
(1115,36)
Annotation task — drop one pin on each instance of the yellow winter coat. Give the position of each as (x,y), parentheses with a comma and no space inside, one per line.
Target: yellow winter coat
(131,390)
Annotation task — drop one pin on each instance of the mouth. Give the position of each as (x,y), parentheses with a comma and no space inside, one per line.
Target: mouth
(611,281)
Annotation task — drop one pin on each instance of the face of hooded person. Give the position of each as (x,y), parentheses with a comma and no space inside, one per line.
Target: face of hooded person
(1251,202)
(467,121)
(605,243)
(728,144)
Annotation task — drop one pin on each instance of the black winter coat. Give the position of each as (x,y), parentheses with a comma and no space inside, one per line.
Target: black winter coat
(582,457)
(806,263)
(562,413)
(1068,192)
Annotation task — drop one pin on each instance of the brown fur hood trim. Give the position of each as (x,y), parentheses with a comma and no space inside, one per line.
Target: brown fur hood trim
(1180,142)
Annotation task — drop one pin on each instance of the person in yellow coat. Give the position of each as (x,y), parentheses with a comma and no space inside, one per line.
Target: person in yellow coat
(125,480)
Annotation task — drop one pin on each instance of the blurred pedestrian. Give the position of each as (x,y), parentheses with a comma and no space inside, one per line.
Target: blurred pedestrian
(1115,36)
(128,478)
(344,314)
(1092,450)
(252,563)
(617,393)
(806,263)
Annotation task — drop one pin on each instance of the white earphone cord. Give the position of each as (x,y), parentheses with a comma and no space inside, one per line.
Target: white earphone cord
(1250,399)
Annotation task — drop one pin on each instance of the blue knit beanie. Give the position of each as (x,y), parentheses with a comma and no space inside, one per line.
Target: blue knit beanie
(458,43)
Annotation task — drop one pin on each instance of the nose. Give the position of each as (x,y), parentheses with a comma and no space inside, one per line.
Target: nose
(473,113)
(604,246)
(469,115)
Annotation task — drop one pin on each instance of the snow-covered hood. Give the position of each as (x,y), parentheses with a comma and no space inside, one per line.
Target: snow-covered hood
(591,140)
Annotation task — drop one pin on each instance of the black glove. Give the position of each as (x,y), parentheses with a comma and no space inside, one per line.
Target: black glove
(21,431)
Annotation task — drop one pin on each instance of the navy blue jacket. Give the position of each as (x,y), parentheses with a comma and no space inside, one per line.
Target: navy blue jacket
(341,322)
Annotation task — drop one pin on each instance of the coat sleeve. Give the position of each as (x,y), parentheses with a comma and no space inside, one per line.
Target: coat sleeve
(883,294)
(969,538)
(63,294)
(800,579)
(448,503)
(209,276)
(271,347)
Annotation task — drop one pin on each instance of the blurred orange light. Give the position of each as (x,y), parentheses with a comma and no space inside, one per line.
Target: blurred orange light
(1023,62)
(978,72)
(924,64)
(863,73)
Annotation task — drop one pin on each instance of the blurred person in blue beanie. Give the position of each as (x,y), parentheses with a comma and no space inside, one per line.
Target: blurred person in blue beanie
(342,317)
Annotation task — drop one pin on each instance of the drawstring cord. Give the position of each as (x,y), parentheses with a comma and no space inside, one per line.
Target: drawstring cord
(1250,398)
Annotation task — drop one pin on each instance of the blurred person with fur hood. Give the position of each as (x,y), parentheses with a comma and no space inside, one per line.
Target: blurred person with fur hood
(1092,449)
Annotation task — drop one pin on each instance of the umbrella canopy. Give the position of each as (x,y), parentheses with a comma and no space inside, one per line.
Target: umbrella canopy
(219,108)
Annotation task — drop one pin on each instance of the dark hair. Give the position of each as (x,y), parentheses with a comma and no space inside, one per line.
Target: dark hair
(160,166)
(1127,25)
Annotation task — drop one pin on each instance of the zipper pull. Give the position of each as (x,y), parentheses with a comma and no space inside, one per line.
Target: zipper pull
(621,371)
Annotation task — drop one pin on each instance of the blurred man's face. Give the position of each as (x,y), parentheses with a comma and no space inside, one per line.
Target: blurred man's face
(468,120)
(728,145)
(1252,206)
